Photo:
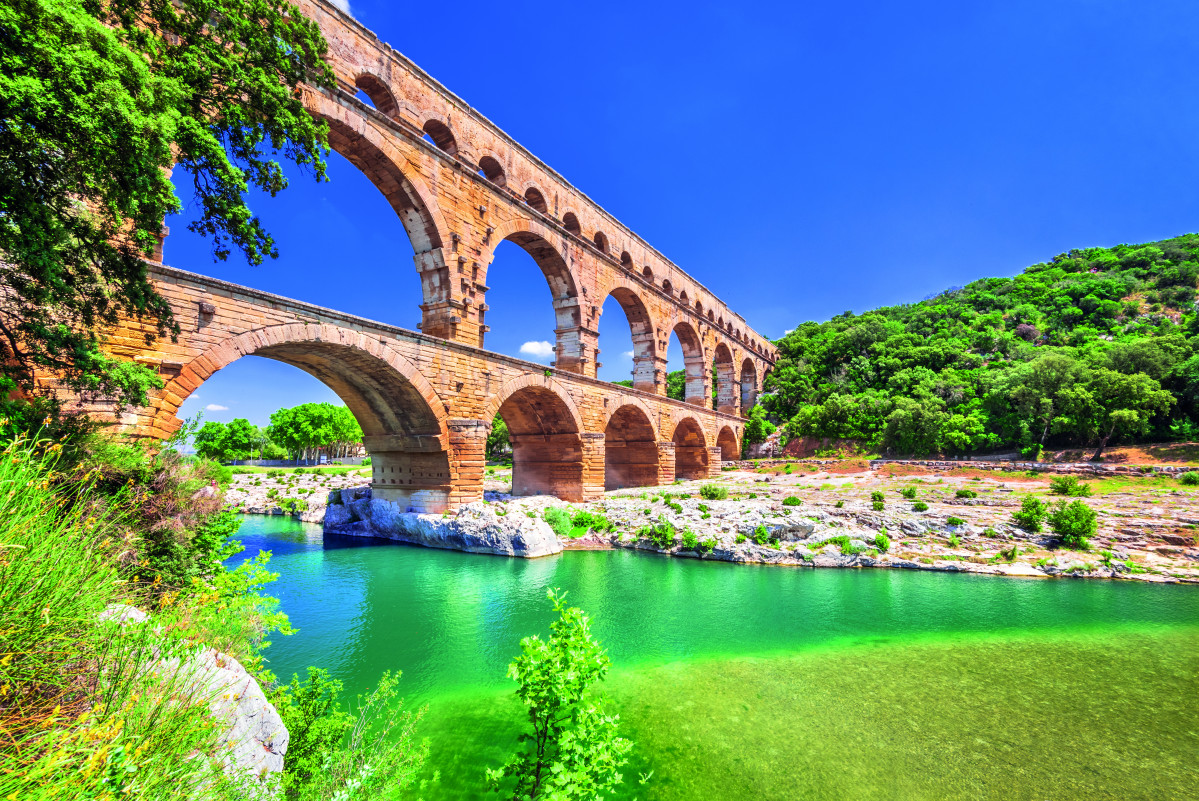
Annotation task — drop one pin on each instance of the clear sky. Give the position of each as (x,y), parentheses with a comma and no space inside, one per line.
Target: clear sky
(800,159)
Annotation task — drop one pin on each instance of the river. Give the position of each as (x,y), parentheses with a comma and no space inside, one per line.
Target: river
(758,682)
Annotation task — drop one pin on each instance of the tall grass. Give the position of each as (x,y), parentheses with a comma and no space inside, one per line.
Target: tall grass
(88,706)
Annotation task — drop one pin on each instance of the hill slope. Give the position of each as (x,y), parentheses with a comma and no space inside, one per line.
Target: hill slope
(1093,346)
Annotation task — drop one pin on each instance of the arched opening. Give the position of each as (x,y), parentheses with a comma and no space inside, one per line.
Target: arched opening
(683,297)
(492,171)
(547,452)
(377,92)
(686,372)
(630,450)
(535,199)
(690,450)
(727,442)
(667,288)
(627,340)
(517,319)
(571,222)
(647,274)
(749,385)
(601,241)
(699,308)
(626,261)
(726,384)
(392,403)
(440,134)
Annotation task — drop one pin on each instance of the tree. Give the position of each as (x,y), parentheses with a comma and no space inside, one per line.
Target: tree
(310,427)
(1035,390)
(210,441)
(497,439)
(240,439)
(573,751)
(1112,404)
(757,427)
(676,385)
(98,102)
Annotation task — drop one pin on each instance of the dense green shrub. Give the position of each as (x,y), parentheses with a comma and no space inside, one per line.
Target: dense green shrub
(920,506)
(741,538)
(689,541)
(882,542)
(965,493)
(954,521)
(1073,523)
(591,521)
(839,505)
(1069,485)
(877,506)
(761,535)
(791,500)
(908,492)
(1031,514)
(877,497)
(1189,478)
(713,492)
(707,546)
(661,534)
(559,520)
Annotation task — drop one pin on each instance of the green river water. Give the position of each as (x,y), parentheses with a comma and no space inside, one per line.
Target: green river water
(757,682)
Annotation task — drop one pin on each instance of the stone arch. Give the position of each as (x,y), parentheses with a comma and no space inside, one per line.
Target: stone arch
(641,326)
(726,440)
(402,418)
(749,385)
(492,170)
(571,223)
(647,274)
(694,364)
(626,261)
(545,431)
(381,96)
(683,297)
(441,135)
(601,241)
(690,449)
(630,447)
(535,239)
(667,287)
(535,198)
(726,390)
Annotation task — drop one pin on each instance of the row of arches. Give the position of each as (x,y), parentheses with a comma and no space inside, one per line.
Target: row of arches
(438,133)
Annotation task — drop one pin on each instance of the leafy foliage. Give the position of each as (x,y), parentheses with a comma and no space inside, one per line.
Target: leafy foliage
(757,427)
(309,428)
(1073,523)
(98,101)
(572,750)
(1069,485)
(713,492)
(1031,514)
(1093,346)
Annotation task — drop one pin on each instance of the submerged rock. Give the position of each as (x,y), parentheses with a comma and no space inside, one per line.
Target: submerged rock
(476,528)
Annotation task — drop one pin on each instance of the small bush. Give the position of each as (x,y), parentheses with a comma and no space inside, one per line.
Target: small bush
(707,546)
(839,505)
(920,506)
(761,535)
(990,532)
(713,492)
(1073,523)
(965,493)
(791,500)
(690,541)
(1070,486)
(559,520)
(703,507)
(366,462)
(677,508)
(954,521)
(882,542)
(1031,514)
(741,538)
(1189,478)
(590,521)
(877,506)
(1009,554)
(954,541)
(908,492)
(662,535)
(877,497)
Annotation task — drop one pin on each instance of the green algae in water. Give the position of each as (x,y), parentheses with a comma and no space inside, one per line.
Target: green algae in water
(742,681)
(1091,716)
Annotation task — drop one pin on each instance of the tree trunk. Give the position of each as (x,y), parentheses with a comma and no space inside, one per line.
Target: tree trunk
(1103,444)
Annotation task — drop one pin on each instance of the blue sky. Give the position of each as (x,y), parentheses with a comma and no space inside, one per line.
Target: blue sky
(800,159)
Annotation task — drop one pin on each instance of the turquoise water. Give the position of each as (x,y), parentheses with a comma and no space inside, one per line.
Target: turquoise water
(741,681)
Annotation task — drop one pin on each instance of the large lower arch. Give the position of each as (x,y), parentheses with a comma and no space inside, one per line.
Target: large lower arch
(545,433)
(572,352)
(630,449)
(693,364)
(690,450)
(404,432)
(726,440)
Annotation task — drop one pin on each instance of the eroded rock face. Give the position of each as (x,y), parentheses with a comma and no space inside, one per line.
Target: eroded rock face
(476,528)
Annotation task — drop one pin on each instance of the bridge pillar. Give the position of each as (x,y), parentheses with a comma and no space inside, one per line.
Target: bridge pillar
(417,481)
(594,451)
(714,460)
(468,451)
(649,369)
(728,390)
(451,308)
(665,463)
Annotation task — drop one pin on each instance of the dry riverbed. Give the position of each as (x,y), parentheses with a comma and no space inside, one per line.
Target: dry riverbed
(1147,527)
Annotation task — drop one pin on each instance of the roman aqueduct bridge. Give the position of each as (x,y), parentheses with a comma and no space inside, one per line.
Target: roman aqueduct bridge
(426,399)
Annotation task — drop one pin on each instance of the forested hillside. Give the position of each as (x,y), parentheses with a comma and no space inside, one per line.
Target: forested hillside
(1093,347)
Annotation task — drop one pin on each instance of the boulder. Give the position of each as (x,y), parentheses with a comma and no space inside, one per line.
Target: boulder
(476,528)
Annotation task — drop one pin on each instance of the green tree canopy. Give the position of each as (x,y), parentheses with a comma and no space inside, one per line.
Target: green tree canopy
(98,102)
